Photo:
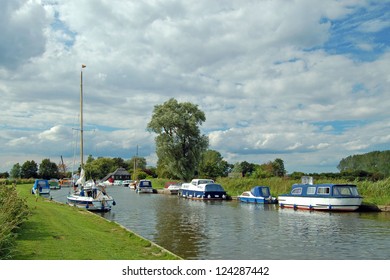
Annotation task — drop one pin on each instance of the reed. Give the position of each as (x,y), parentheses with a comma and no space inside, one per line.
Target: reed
(13,212)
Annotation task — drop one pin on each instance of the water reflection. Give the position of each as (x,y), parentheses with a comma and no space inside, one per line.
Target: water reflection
(234,230)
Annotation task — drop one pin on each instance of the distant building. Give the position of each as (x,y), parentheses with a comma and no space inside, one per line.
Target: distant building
(119,174)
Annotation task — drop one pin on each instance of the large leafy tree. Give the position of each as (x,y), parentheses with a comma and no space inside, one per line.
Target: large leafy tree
(278,168)
(212,165)
(373,162)
(179,143)
(29,169)
(15,171)
(48,169)
(99,168)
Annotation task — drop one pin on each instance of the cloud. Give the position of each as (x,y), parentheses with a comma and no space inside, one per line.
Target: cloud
(22,25)
(305,81)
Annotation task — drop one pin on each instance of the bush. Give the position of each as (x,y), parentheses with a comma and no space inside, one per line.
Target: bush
(13,211)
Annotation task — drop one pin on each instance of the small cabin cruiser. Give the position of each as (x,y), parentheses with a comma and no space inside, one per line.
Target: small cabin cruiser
(330,197)
(204,189)
(258,194)
(54,184)
(41,186)
(172,187)
(144,186)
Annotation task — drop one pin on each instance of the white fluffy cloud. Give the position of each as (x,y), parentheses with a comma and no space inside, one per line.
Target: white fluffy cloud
(305,81)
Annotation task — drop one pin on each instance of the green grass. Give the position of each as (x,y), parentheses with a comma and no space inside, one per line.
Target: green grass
(56,231)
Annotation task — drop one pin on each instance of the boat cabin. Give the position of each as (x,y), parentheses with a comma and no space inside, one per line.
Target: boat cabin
(41,186)
(328,190)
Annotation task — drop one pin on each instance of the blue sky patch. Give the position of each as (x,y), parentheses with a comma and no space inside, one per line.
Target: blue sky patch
(363,35)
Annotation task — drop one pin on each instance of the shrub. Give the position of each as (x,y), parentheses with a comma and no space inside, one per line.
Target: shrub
(13,211)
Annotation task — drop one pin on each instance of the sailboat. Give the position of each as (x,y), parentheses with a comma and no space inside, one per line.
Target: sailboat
(88,194)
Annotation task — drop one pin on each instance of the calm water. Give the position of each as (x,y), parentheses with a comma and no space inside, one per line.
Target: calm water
(233,230)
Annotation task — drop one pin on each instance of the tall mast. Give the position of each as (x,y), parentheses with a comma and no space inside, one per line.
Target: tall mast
(81,119)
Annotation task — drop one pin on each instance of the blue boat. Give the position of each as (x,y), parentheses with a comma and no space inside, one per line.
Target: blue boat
(328,197)
(204,189)
(41,186)
(144,186)
(258,194)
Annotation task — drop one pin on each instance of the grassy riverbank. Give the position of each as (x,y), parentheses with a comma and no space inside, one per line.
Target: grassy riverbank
(56,231)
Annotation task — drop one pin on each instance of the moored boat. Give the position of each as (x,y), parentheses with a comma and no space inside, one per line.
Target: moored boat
(41,187)
(144,186)
(54,184)
(205,189)
(172,187)
(91,197)
(86,194)
(328,197)
(258,194)
(65,182)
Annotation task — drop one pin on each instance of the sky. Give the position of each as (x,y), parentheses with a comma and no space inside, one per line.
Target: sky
(306,81)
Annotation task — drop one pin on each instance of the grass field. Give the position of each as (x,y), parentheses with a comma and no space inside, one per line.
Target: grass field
(57,231)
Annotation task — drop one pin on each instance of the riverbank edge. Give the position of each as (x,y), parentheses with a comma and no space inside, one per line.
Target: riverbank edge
(139,236)
(112,224)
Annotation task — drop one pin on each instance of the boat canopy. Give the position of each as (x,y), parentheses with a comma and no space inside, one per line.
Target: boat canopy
(145,184)
(41,183)
(334,190)
(260,191)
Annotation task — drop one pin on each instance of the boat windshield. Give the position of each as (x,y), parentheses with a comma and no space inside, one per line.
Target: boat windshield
(265,192)
(345,190)
(214,188)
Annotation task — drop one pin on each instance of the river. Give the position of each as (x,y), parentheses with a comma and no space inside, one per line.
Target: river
(222,230)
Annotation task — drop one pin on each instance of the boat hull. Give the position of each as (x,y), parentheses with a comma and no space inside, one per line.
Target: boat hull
(259,200)
(43,191)
(258,194)
(319,203)
(203,195)
(91,204)
(144,190)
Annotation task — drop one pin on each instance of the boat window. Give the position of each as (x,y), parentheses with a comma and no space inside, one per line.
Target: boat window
(265,192)
(296,191)
(344,190)
(354,191)
(311,190)
(323,190)
(213,188)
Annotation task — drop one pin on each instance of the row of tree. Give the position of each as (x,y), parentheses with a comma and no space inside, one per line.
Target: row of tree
(212,165)
(373,163)
(183,154)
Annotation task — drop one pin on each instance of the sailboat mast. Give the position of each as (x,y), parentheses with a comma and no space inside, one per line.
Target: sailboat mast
(81,119)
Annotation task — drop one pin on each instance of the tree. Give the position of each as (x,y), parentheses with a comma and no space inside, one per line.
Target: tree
(278,168)
(48,169)
(99,168)
(373,162)
(247,168)
(29,169)
(138,162)
(212,165)
(15,171)
(179,142)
